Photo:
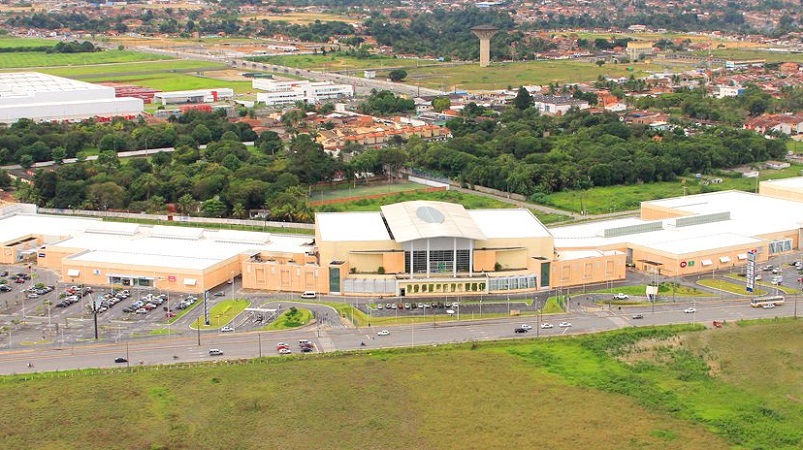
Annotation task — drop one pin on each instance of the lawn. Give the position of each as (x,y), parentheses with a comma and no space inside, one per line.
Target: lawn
(673,388)
(135,68)
(11,42)
(221,314)
(292,318)
(346,190)
(174,82)
(38,59)
(733,288)
(504,75)
(664,289)
(301,18)
(330,63)
(600,200)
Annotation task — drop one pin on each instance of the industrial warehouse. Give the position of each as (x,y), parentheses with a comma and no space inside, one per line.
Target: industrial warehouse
(418,248)
(42,97)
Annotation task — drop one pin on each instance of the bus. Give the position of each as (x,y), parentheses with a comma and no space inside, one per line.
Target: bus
(760,302)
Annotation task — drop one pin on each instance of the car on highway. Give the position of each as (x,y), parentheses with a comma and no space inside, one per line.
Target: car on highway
(621,296)
(526,326)
(227,329)
(215,352)
(383,333)
(219,294)
(564,324)
(769,306)
(546,326)
(519,330)
(306,349)
(309,294)
(689,310)
(285,351)
(638,316)
(282,345)
(120,360)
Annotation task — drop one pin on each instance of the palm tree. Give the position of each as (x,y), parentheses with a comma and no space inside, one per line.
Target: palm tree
(238,211)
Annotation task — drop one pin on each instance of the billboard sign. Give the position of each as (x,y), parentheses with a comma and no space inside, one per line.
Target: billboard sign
(750,274)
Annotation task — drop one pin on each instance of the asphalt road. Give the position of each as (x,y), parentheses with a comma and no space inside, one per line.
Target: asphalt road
(236,345)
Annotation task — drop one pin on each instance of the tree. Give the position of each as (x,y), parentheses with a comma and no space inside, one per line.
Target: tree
(187,204)
(213,208)
(58,155)
(397,75)
(441,103)
(523,99)
(239,212)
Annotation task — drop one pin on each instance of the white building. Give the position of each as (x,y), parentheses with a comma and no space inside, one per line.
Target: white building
(289,92)
(557,105)
(196,96)
(41,97)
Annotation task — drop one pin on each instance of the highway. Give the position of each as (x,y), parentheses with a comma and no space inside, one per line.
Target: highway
(237,345)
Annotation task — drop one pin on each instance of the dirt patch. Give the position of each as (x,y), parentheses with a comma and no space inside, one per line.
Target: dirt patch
(650,350)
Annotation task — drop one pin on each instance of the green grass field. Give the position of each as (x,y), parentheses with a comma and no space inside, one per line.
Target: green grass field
(10,42)
(502,75)
(337,62)
(221,314)
(346,191)
(639,388)
(175,82)
(37,59)
(600,200)
(135,68)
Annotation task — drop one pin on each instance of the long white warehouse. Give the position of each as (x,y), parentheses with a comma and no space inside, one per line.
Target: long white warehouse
(41,97)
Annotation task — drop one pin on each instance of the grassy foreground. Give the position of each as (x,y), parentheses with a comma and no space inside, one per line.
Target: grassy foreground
(644,388)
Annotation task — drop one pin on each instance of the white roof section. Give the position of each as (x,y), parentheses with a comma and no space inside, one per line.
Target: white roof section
(139,259)
(792,183)
(419,219)
(352,226)
(131,244)
(29,84)
(508,223)
(665,242)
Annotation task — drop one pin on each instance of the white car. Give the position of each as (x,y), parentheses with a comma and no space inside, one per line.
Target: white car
(227,329)
(309,294)
(769,306)
(564,324)
(621,296)
(383,333)
(546,325)
(285,351)
(527,327)
(689,310)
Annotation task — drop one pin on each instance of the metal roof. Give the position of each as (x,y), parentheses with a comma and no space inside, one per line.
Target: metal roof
(409,221)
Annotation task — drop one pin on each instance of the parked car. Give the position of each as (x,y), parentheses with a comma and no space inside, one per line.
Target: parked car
(564,324)
(219,294)
(226,329)
(383,333)
(379,307)
(546,325)
(689,310)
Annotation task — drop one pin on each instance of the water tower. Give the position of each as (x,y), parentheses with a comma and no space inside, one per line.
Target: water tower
(485,33)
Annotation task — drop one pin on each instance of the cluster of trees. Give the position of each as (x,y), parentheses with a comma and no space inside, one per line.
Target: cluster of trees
(223,179)
(383,103)
(314,32)
(534,155)
(74,47)
(447,34)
